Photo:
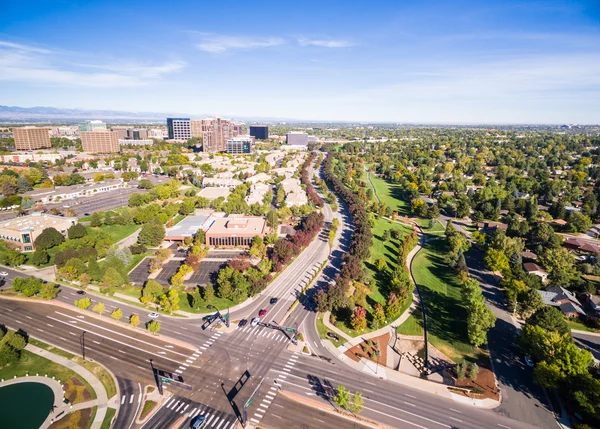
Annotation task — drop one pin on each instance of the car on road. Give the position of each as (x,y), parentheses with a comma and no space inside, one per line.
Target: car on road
(242,323)
(255,321)
(80,292)
(197,422)
(153,315)
(262,313)
(3,273)
(86,214)
(529,362)
(273,301)
(333,336)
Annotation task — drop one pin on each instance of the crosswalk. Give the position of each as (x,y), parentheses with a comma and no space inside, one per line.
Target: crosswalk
(267,333)
(214,419)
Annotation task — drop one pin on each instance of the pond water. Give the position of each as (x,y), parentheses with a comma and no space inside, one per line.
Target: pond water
(25,405)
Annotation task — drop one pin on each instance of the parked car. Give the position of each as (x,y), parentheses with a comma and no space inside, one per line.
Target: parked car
(529,362)
(333,336)
(255,321)
(197,422)
(242,323)
(153,315)
(273,301)
(81,292)
(3,274)
(262,313)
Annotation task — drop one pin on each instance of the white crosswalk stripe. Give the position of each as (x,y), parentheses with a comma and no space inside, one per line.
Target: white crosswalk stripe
(208,419)
(216,420)
(192,412)
(220,423)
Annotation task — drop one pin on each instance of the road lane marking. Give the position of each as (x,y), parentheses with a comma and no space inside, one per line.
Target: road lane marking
(39,329)
(178,371)
(255,421)
(410,396)
(61,338)
(507,427)
(456,411)
(95,342)
(123,352)
(123,399)
(209,419)
(193,411)
(112,339)
(455,419)
(131,399)
(220,423)
(170,403)
(118,333)
(216,420)
(408,403)
(52,326)
(30,318)
(185,408)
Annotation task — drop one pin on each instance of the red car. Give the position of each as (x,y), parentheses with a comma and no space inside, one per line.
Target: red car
(262,313)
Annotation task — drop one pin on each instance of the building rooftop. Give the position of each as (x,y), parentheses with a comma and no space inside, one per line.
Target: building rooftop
(188,227)
(214,192)
(238,224)
(38,220)
(532,267)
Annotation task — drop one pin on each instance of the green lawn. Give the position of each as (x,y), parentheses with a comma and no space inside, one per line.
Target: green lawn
(178,219)
(110,413)
(116,233)
(220,303)
(446,315)
(98,370)
(34,364)
(576,324)
(322,329)
(391,195)
(412,325)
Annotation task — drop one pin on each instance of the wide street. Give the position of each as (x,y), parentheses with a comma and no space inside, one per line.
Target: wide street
(223,367)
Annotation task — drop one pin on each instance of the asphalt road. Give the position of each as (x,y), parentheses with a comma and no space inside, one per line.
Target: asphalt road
(522,399)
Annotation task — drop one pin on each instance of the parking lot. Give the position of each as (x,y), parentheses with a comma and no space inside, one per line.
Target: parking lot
(204,273)
(139,274)
(168,271)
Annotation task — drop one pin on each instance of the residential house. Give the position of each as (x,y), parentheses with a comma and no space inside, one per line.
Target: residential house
(565,300)
(533,268)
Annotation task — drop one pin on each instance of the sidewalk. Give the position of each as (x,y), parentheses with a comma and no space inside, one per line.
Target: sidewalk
(101,402)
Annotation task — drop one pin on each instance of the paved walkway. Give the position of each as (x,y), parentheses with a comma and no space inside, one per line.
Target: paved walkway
(101,402)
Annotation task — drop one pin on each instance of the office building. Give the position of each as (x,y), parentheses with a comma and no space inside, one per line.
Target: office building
(92,126)
(21,232)
(65,131)
(179,129)
(298,138)
(100,141)
(235,231)
(214,132)
(240,145)
(237,129)
(260,132)
(144,142)
(137,133)
(156,133)
(121,132)
(31,138)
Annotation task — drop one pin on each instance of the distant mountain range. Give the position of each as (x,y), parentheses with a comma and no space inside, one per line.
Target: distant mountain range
(16,114)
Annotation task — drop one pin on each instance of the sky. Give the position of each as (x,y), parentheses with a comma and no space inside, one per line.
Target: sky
(511,61)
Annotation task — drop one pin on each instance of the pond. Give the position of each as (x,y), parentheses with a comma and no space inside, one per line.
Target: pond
(25,405)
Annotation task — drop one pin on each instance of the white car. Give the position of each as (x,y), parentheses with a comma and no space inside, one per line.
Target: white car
(3,274)
(153,315)
(255,321)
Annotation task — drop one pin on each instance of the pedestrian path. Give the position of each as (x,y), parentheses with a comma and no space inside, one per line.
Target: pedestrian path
(266,333)
(102,400)
(177,406)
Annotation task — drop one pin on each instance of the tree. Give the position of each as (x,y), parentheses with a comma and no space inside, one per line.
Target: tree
(322,301)
(48,239)
(356,406)
(208,293)
(380,264)
(378,315)
(474,371)
(170,301)
(76,231)
(151,234)
(497,260)
(560,264)
(40,257)
(479,321)
(48,291)
(196,300)
(151,292)
(96,220)
(550,319)
(578,222)
(359,318)
(461,370)
(387,235)
(530,303)
(134,320)
(342,397)
(99,308)
(393,306)
(83,303)
(117,314)
(153,326)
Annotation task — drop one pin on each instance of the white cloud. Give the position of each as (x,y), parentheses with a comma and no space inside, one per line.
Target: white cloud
(325,43)
(30,64)
(217,44)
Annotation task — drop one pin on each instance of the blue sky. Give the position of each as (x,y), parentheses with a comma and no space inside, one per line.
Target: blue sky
(402,61)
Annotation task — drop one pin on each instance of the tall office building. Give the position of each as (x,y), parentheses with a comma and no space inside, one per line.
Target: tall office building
(214,132)
(100,141)
(179,129)
(92,126)
(240,145)
(296,138)
(31,138)
(260,132)
(122,132)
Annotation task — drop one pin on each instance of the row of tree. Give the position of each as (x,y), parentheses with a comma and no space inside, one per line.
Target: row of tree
(311,193)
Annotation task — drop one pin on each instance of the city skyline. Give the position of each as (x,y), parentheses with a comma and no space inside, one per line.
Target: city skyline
(505,62)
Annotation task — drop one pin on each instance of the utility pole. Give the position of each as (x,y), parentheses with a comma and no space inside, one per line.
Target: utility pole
(249,401)
(83,344)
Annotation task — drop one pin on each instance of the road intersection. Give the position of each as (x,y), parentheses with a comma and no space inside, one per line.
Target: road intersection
(225,366)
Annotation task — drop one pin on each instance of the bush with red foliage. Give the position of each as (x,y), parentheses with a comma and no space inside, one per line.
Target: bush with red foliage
(240,263)
(311,193)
